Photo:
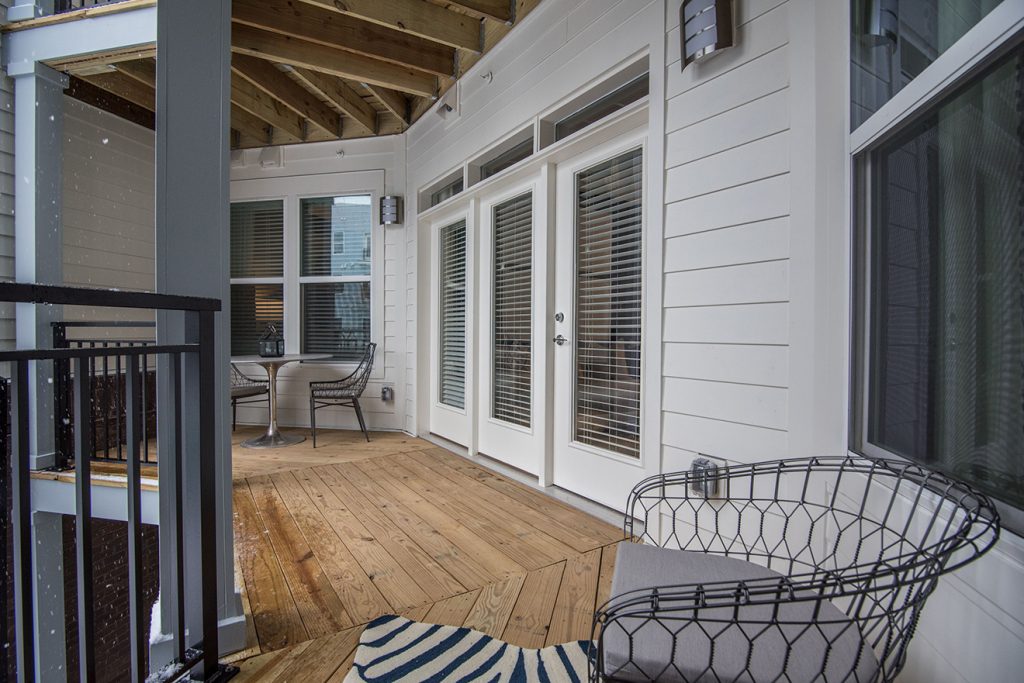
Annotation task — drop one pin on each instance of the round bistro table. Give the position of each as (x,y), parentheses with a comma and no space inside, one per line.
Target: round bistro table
(274,437)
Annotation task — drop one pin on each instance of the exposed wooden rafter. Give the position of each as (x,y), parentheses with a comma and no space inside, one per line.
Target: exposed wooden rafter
(286,50)
(266,108)
(414,17)
(125,88)
(142,70)
(102,99)
(247,124)
(394,101)
(339,93)
(499,10)
(266,77)
(318,25)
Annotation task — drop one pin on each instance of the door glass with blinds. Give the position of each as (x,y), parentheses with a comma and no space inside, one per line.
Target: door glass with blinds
(334,276)
(257,272)
(608,304)
(512,373)
(452,305)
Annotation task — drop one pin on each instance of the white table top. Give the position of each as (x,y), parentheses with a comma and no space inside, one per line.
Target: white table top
(286,358)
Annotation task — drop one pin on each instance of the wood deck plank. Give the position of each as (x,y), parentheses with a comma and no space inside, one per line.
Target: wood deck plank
(579,521)
(493,607)
(508,506)
(531,617)
(318,603)
(457,562)
(453,611)
(357,510)
(348,575)
(275,615)
(519,542)
(498,565)
(324,658)
(574,607)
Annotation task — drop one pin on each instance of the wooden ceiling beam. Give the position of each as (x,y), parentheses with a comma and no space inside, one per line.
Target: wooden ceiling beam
(125,88)
(342,95)
(394,101)
(414,17)
(266,108)
(143,71)
(284,49)
(499,10)
(107,101)
(265,76)
(330,28)
(247,124)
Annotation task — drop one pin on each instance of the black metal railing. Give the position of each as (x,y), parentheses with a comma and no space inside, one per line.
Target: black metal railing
(62,6)
(108,390)
(187,482)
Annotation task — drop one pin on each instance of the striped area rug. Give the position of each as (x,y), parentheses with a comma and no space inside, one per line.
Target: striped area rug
(397,649)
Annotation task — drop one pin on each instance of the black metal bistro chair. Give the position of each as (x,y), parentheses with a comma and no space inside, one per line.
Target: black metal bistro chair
(244,390)
(342,392)
(811,569)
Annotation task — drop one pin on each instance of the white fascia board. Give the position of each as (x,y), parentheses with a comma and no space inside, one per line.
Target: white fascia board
(91,35)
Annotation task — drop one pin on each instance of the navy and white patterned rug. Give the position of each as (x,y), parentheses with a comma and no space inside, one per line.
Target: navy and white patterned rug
(397,649)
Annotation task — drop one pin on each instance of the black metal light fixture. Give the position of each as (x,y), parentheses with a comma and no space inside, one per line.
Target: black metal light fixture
(705,28)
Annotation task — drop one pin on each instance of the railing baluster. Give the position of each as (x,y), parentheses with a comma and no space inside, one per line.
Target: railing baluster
(106,405)
(177,497)
(83,523)
(207,491)
(92,383)
(145,406)
(133,405)
(21,519)
(118,403)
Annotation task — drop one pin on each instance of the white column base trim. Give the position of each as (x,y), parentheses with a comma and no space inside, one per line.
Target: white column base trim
(230,633)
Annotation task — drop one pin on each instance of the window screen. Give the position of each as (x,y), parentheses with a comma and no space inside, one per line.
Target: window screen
(609,226)
(452,302)
(513,311)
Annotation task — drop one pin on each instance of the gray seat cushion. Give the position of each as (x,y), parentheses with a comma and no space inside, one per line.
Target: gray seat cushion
(750,651)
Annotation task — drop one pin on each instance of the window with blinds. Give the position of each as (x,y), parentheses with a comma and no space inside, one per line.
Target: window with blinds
(335,251)
(257,272)
(513,311)
(452,303)
(609,227)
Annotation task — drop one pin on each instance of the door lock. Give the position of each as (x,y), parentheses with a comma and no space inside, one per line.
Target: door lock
(559,317)
(559,340)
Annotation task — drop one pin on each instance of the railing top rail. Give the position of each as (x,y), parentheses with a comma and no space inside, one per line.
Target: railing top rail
(98,352)
(104,298)
(104,323)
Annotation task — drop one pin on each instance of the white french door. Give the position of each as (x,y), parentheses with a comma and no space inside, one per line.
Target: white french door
(511,333)
(598,449)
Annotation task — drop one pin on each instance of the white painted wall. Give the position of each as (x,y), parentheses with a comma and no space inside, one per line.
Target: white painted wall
(384,156)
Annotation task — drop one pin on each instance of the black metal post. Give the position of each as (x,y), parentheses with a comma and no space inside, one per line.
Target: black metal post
(83,521)
(207,491)
(21,521)
(133,404)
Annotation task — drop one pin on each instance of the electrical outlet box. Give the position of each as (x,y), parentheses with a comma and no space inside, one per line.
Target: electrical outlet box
(704,477)
(387,393)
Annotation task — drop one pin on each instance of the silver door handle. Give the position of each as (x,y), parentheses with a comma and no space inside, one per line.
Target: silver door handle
(559,340)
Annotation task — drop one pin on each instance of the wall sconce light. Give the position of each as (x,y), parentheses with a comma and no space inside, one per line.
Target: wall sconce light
(391,210)
(705,28)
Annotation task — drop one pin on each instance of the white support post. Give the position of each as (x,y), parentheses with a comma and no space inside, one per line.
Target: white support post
(38,161)
(192,258)
(29,9)
(48,595)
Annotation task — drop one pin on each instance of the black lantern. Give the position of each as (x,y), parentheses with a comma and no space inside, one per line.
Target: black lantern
(271,343)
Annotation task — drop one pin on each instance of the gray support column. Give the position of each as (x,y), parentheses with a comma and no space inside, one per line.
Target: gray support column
(38,257)
(48,568)
(29,9)
(192,258)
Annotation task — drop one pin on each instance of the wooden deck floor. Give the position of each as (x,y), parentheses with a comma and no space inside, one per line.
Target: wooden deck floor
(328,540)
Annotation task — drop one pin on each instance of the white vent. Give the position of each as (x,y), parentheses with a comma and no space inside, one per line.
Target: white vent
(452,302)
(609,259)
(513,311)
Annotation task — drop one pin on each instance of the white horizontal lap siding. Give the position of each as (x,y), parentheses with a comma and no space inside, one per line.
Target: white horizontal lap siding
(108,206)
(726,328)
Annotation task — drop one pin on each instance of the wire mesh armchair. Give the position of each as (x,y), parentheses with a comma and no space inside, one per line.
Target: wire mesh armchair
(245,389)
(812,569)
(343,392)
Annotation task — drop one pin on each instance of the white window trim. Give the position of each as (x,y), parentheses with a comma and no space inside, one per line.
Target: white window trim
(983,44)
(292,189)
